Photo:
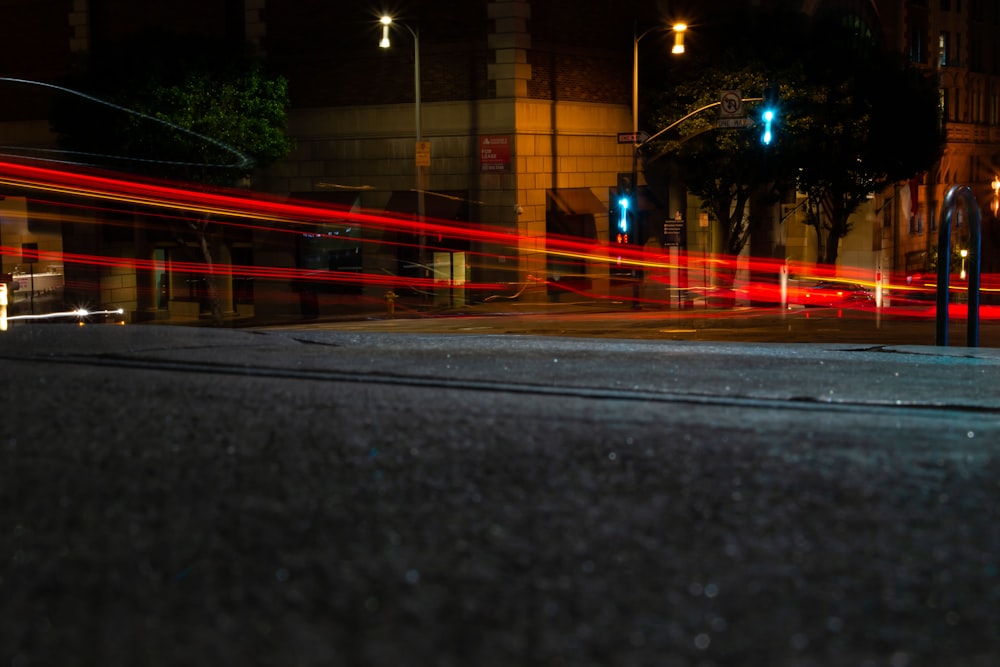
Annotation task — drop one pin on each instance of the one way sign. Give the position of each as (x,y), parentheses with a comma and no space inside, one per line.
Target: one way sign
(632,137)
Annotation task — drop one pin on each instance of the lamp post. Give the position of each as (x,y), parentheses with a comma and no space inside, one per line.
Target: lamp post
(678,48)
(384,43)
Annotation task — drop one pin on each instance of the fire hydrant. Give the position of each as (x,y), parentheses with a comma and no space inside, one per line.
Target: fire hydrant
(390,303)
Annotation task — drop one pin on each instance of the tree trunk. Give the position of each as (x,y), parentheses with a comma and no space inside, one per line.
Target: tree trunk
(725,279)
(813,219)
(730,212)
(832,247)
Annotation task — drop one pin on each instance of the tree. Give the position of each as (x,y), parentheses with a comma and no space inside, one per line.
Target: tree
(862,120)
(178,107)
(743,50)
(840,136)
(728,168)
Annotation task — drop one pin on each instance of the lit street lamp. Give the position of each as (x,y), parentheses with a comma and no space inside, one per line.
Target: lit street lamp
(384,43)
(678,48)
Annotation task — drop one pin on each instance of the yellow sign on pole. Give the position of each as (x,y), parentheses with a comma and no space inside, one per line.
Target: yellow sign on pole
(423,153)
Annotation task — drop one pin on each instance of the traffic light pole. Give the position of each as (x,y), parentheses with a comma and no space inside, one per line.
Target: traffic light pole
(637,275)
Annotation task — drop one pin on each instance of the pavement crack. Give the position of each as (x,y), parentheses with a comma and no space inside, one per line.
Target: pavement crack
(929,352)
(310,341)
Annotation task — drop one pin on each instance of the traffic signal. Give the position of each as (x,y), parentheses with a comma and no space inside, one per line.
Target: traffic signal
(769,114)
(622,221)
(622,214)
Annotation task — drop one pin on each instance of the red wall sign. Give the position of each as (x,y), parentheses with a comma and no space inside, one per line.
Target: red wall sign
(494,153)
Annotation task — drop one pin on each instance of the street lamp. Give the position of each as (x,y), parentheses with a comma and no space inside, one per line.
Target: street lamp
(678,48)
(384,43)
(678,29)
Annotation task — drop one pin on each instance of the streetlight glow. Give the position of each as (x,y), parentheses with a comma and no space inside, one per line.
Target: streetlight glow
(679,29)
(386,22)
(384,42)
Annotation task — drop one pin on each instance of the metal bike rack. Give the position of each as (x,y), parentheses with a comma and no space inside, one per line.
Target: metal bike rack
(951,202)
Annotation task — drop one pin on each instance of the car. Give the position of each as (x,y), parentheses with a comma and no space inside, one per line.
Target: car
(830,294)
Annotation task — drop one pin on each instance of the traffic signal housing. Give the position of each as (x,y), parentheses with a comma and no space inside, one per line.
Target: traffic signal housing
(622,212)
(621,218)
(769,114)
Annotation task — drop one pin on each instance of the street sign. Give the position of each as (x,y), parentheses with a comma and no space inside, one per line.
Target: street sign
(731,104)
(734,123)
(423,153)
(632,137)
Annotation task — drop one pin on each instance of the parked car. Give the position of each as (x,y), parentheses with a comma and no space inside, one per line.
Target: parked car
(828,294)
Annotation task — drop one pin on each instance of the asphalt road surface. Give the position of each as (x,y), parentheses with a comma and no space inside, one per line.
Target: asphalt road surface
(173,496)
(760,325)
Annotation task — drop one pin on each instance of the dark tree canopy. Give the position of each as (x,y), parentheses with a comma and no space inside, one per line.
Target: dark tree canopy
(839,134)
(179,106)
(742,50)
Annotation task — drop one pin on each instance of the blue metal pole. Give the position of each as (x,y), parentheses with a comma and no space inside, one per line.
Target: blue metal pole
(951,202)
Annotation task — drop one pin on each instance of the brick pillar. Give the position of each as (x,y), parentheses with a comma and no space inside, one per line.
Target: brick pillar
(510,41)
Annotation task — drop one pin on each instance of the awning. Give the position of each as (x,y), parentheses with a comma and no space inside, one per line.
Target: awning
(575,201)
(448,205)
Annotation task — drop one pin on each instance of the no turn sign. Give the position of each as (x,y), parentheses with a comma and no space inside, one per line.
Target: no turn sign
(731,104)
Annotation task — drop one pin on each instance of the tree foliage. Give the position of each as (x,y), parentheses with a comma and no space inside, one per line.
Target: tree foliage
(724,168)
(178,107)
(840,134)
(862,120)
(175,106)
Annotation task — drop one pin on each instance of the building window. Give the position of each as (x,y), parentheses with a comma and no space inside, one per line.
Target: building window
(944,40)
(918,46)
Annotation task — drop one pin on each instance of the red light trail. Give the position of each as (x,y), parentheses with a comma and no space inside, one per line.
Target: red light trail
(669,278)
